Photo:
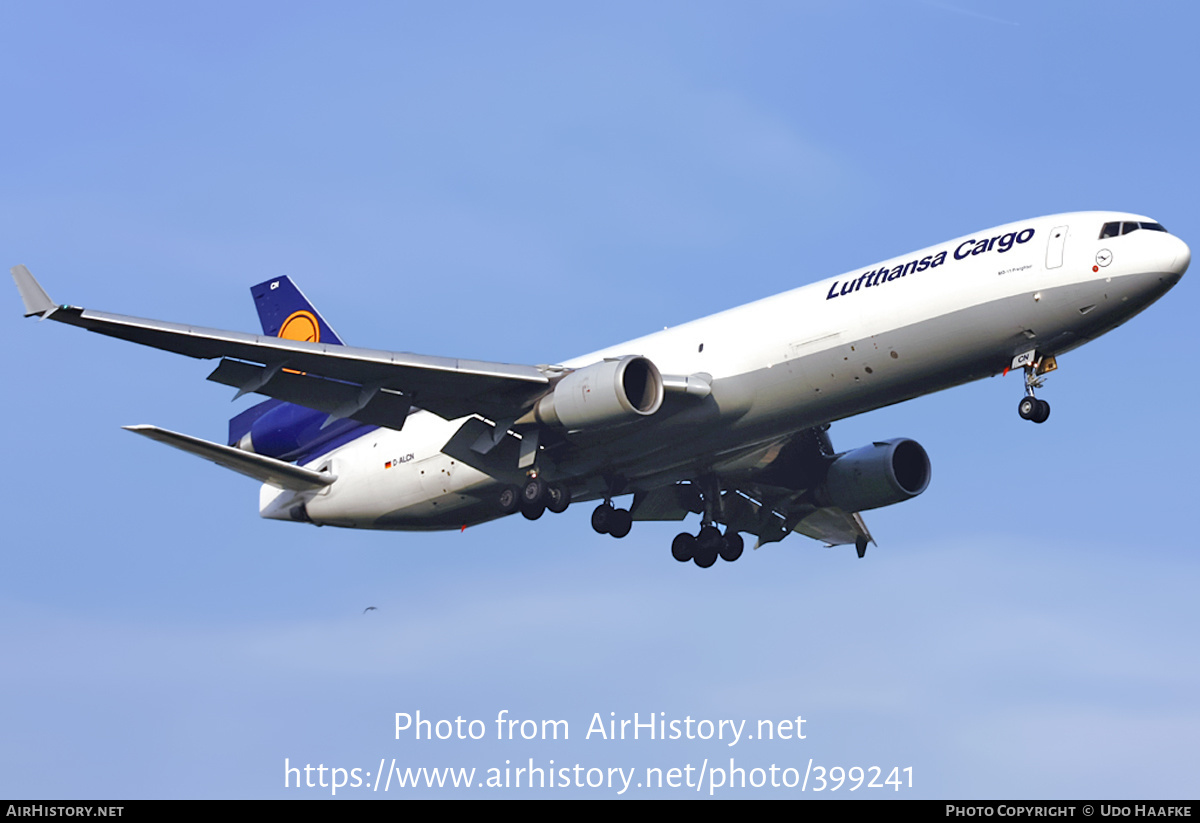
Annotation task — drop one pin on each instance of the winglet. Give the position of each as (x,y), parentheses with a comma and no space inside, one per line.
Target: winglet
(35,297)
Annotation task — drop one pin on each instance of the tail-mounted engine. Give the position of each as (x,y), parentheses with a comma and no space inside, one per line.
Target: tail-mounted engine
(603,394)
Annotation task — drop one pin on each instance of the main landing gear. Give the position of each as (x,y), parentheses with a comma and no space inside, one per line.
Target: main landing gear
(704,548)
(708,544)
(534,498)
(613,521)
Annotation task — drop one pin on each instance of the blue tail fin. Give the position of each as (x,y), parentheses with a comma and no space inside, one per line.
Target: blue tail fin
(279,429)
(285,312)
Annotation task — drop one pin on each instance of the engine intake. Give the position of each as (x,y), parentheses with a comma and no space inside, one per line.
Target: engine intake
(603,394)
(881,474)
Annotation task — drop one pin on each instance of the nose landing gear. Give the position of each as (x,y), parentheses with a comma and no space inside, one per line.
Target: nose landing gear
(1030,407)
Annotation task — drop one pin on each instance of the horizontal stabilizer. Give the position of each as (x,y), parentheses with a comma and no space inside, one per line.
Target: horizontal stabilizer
(264,469)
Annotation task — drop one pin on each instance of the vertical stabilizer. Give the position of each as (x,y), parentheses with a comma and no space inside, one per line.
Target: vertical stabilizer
(273,427)
(285,312)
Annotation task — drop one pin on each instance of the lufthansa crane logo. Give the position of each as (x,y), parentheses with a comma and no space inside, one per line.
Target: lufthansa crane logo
(301,325)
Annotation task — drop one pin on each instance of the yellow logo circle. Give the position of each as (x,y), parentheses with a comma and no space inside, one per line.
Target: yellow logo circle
(301,325)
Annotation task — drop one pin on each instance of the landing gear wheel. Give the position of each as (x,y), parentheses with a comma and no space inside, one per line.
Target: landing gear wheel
(732,546)
(533,511)
(708,544)
(533,492)
(1042,413)
(683,547)
(1028,407)
(620,522)
(602,518)
(510,499)
(559,498)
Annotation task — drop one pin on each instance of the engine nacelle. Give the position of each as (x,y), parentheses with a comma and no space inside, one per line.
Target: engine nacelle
(603,394)
(878,475)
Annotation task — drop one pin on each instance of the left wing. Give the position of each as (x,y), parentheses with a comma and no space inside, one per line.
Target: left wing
(371,385)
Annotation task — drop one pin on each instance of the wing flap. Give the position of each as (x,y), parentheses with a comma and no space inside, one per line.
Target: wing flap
(834,527)
(500,462)
(383,407)
(664,503)
(263,469)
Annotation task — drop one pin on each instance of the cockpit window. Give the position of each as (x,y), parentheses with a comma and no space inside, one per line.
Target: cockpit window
(1117,229)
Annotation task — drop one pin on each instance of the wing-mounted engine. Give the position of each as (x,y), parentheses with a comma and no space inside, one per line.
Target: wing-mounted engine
(881,474)
(802,485)
(607,393)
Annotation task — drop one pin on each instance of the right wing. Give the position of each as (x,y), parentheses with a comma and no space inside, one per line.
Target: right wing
(370,385)
(772,514)
(769,493)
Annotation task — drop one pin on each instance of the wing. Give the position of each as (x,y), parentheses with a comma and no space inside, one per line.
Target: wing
(773,514)
(834,527)
(781,496)
(370,385)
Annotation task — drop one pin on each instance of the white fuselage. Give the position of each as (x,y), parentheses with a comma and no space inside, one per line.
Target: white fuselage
(921,322)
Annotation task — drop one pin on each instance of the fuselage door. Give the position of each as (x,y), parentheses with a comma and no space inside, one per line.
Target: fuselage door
(1054,251)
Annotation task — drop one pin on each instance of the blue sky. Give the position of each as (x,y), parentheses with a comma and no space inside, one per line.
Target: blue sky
(527,182)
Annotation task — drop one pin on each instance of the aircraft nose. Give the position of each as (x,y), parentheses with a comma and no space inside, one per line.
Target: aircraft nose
(1182,259)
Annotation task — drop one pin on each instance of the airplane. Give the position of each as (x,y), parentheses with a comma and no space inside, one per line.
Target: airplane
(726,417)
